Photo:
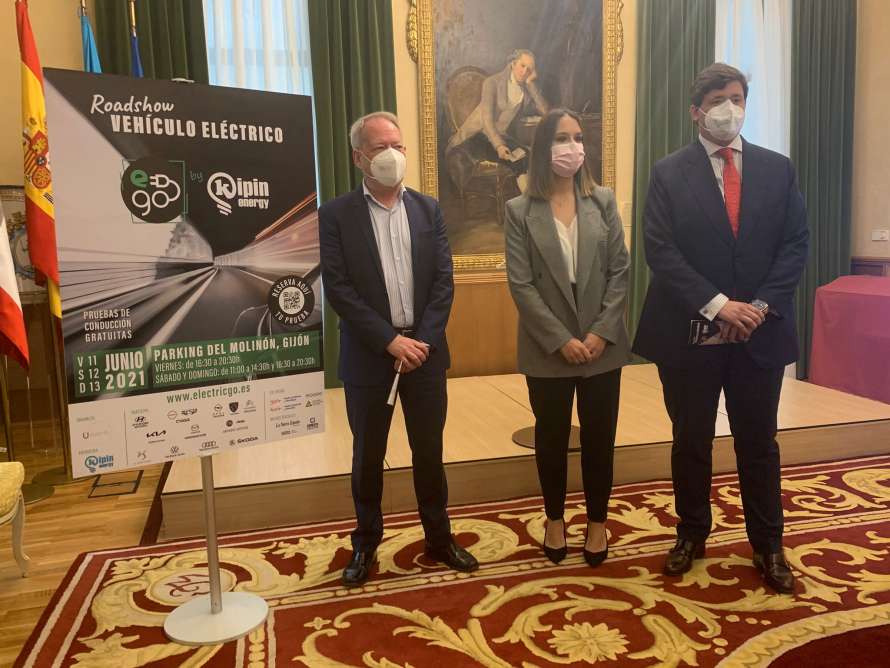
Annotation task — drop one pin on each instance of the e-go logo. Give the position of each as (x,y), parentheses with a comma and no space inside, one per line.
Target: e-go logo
(152,189)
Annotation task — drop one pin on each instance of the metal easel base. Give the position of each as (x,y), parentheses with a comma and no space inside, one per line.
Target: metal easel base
(216,617)
(55,477)
(194,623)
(33,492)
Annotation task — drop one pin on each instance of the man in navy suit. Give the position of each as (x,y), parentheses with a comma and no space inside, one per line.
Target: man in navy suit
(386,268)
(726,239)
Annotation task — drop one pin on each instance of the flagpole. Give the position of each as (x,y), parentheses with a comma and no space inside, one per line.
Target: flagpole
(62,391)
(4,406)
(31,491)
(90,50)
(62,475)
(136,68)
(132,17)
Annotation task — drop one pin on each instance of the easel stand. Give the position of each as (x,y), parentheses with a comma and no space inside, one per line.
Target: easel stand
(217,617)
(525,438)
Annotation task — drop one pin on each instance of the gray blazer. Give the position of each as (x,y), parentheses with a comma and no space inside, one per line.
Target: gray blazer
(488,116)
(539,283)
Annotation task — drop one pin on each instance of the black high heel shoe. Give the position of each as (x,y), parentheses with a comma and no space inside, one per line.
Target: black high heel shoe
(556,554)
(594,559)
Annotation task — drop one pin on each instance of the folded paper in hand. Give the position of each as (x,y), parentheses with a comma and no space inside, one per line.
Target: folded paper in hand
(517,154)
(705,333)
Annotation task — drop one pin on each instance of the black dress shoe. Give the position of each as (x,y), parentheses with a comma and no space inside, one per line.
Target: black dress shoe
(594,559)
(358,568)
(681,556)
(556,554)
(453,555)
(775,570)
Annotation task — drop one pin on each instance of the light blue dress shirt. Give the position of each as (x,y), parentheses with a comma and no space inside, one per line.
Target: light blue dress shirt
(393,237)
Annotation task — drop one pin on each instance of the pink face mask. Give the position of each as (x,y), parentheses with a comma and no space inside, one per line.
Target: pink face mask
(566,158)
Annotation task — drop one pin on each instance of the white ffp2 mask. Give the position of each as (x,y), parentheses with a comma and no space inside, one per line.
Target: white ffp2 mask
(388,167)
(724,122)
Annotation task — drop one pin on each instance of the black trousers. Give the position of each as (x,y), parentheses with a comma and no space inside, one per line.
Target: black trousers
(691,397)
(551,400)
(424,402)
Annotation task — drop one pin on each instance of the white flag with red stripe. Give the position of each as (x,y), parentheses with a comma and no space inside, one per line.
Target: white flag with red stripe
(13,341)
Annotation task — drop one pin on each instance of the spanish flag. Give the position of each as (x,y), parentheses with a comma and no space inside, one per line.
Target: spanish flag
(39,214)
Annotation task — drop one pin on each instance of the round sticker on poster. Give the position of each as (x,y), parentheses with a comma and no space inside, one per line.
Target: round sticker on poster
(291,300)
(152,189)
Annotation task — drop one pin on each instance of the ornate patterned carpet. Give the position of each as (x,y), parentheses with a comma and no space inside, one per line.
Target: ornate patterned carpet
(518,609)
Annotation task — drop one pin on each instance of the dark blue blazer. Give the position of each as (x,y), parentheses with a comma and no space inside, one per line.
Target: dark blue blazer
(693,255)
(352,275)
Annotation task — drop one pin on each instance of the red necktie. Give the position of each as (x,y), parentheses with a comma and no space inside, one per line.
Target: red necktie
(732,189)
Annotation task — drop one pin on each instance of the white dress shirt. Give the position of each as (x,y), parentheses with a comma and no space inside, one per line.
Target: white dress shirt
(568,243)
(712,308)
(393,237)
(515,94)
(717,162)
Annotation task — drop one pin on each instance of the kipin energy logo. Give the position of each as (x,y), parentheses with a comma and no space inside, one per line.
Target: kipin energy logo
(94,463)
(228,191)
(153,189)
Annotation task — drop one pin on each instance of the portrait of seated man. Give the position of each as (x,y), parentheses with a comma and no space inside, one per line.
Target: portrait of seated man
(493,131)
(496,72)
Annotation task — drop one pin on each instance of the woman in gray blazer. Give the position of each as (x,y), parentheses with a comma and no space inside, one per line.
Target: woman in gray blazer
(567,267)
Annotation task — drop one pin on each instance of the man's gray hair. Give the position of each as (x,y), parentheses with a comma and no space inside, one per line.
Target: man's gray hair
(519,53)
(355,132)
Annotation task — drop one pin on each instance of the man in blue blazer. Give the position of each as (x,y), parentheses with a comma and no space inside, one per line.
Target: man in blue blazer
(726,240)
(387,272)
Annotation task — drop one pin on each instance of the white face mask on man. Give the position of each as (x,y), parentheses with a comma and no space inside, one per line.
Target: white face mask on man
(388,167)
(723,122)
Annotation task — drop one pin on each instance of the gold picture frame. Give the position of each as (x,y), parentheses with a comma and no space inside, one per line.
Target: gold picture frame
(421,47)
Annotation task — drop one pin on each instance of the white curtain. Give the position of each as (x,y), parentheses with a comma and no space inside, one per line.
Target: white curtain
(259,44)
(755,37)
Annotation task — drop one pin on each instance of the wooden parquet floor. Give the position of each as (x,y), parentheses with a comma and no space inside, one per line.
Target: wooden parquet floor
(56,531)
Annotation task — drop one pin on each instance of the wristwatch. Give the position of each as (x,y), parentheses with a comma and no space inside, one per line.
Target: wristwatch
(760,305)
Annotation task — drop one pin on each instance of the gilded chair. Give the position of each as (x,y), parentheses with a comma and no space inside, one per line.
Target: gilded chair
(12,508)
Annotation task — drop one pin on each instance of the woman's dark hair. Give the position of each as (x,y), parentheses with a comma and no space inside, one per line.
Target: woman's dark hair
(715,77)
(540,175)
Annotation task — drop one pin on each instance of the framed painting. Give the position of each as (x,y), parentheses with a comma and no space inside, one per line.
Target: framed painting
(489,70)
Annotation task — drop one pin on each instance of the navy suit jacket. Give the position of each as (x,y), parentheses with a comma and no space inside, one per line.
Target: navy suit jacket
(693,255)
(352,275)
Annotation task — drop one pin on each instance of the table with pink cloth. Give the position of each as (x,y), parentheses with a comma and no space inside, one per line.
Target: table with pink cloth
(851,336)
